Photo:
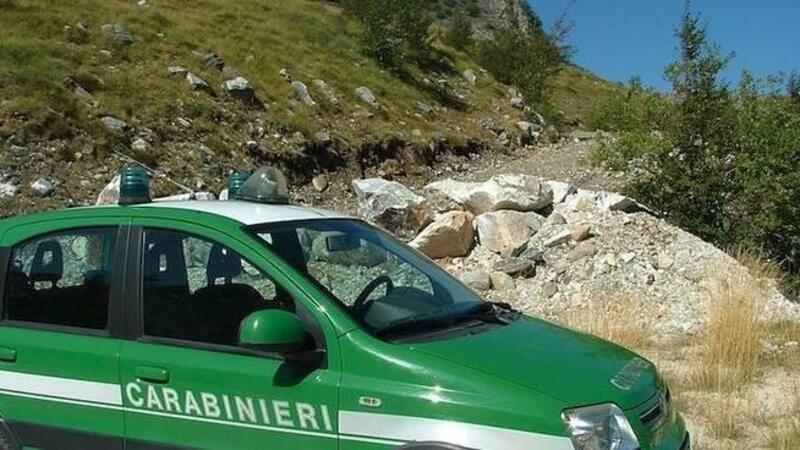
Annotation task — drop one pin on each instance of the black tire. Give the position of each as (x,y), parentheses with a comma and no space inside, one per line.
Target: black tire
(431,446)
(7,441)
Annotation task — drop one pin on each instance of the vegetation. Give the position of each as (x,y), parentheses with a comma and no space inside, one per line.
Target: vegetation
(459,34)
(395,31)
(523,55)
(720,162)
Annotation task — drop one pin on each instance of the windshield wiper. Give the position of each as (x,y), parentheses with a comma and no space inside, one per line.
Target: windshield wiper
(488,312)
(492,312)
(419,322)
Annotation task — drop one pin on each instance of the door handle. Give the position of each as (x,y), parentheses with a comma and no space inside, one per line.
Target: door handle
(152,374)
(8,355)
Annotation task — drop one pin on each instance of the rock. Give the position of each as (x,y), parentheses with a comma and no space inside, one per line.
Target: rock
(118,33)
(284,73)
(515,267)
(327,91)
(534,255)
(110,194)
(515,192)
(365,95)
(197,83)
(561,190)
(517,101)
(140,145)
(502,281)
(556,219)
(229,72)
(628,257)
(224,195)
(450,235)
(477,279)
(583,250)
(581,233)
(616,202)
(302,93)
(323,137)
(425,108)
(549,289)
(320,183)
(559,238)
(214,60)
(664,262)
(580,136)
(469,76)
(177,70)
(42,187)
(392,206)
(7,189)
(240,88)
(507,232)
(183,122)
(114,125)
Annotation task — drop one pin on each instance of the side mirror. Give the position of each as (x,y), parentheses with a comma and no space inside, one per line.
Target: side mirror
(272,331)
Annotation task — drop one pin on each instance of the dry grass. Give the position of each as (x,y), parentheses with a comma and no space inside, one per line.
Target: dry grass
(733,337)
(622,319)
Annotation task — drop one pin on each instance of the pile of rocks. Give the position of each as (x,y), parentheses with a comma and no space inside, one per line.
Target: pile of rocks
(548,247)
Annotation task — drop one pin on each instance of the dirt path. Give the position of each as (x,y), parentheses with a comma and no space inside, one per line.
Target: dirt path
(566,161)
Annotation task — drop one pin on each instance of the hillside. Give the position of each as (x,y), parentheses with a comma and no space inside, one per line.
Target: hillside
(66,66)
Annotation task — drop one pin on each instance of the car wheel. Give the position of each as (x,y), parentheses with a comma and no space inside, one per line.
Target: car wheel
(7,441)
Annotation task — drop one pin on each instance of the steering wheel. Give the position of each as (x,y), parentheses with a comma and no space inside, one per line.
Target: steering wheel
(370,288)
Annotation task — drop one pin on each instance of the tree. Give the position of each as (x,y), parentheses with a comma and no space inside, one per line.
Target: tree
(459,34)
(691,182)
(522,56)
(395,31)
(793,88)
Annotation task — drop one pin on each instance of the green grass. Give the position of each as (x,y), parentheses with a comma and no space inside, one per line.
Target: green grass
(309,38)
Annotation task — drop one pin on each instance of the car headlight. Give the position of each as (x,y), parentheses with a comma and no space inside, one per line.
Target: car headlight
(600,427)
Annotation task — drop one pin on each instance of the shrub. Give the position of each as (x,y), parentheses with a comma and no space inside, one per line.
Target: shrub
(721,163)
(395,31)
(459,34)
(521,56)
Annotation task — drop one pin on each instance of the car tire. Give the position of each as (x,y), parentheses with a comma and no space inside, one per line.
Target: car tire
(431,446)
(7,441)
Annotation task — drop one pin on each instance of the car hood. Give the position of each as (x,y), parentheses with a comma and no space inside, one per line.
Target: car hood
(574,367)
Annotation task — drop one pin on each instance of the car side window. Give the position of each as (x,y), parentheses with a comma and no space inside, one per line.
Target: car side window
(199,290)
(62,279)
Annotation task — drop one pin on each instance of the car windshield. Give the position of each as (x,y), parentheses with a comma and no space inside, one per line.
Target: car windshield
(381,282)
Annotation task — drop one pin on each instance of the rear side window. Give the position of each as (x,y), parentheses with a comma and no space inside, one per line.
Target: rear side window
(62,279)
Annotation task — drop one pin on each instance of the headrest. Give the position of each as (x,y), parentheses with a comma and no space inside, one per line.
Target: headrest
(222,263)
(48,262)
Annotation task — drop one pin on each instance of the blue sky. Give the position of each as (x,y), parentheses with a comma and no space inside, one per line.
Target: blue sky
(618,39)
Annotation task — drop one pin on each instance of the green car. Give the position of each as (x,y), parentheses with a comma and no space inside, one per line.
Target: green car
(251,323)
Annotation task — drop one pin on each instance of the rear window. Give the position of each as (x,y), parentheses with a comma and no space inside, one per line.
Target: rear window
(62,279)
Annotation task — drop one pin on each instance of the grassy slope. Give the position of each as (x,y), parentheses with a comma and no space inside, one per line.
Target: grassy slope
(41,47)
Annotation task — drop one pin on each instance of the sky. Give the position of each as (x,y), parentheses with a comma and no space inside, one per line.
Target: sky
(619,39)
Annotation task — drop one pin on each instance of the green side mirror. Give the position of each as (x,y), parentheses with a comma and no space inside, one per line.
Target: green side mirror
(272,331)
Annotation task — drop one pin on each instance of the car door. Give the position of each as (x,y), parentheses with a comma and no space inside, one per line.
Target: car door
(186,383)
(59,366)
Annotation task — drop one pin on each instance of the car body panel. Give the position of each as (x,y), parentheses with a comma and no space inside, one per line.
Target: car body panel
(501,388)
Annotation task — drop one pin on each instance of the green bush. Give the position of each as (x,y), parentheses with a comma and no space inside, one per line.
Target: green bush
(459,34)
(524,57)
(395,31)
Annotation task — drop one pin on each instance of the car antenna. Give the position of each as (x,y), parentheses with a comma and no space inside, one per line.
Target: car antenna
(159,173)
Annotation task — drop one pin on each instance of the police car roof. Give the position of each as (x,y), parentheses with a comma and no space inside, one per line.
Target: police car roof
(250,213)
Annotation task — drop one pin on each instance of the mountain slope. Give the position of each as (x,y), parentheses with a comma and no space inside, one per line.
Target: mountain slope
(60,73)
